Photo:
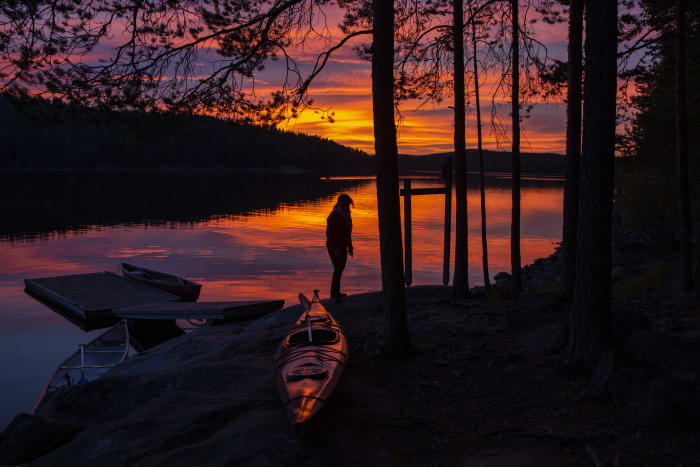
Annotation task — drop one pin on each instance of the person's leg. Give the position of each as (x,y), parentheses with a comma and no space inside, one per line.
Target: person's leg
(338,259)
(341,259)
(335,281)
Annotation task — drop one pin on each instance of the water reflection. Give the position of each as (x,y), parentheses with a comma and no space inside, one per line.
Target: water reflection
(41,204)
(242,237)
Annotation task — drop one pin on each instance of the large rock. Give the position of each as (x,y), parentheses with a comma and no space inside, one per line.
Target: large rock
(692,332)
(628,242)
(627,384)
(28,437)
(538,301)
(206,398)
(209,398)
(516,456)
(548,340)
(626,322)
(665,352)
(504,363)
(671,404)
(621,273)
(598,385)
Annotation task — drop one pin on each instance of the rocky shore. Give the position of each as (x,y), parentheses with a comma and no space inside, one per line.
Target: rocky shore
(486,385)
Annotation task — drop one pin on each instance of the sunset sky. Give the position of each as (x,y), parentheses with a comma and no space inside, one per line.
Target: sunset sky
(344,87)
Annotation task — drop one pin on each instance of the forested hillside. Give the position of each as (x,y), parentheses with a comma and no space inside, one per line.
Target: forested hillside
(36,133)
(40,134)
(494,161)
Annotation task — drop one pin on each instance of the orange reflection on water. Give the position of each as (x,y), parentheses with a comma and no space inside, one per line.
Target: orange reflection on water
(279,253)
(296,237)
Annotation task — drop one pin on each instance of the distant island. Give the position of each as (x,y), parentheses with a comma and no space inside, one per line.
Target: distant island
(494,161)
(42,134)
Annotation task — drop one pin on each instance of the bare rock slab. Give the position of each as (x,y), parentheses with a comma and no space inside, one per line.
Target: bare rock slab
(28,437)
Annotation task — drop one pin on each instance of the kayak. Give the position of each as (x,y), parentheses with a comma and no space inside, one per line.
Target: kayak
(310,361)
(91,360)
(179,286)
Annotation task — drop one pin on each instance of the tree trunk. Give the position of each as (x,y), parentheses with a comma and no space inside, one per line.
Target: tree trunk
(697,279)
(388,206)
(573,147)
(686,252)
(590,335)
(482,189)
(460,284)
(515,176)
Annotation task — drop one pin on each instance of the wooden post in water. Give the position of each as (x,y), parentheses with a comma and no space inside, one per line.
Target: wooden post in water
(447,173)
(408,262)
(407,192)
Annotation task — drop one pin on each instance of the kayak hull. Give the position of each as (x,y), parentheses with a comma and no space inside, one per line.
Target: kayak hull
(308,371)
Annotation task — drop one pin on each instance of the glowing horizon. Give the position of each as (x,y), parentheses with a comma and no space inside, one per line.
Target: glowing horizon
(344,88)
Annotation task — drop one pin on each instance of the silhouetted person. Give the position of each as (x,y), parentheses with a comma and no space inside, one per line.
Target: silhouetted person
(339,240)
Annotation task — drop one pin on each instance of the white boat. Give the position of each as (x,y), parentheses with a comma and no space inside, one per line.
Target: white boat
(91,360)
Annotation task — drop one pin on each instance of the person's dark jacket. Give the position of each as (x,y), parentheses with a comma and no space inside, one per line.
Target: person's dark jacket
(338,232)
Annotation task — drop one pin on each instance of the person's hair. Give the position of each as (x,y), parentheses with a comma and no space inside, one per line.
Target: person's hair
(344,197)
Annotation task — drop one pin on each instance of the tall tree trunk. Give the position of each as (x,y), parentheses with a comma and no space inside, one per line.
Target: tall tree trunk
(482,188)
(573,147)
(515,187)
(590,335)
(388,206)
(686,253)
(697,279)
(460,285)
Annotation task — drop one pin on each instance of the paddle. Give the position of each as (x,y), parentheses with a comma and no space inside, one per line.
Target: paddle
(82,379)
(307,305)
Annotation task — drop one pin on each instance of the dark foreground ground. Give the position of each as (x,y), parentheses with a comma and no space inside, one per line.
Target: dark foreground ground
(485,386)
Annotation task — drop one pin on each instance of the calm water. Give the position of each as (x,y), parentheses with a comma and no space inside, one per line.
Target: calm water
(242,237)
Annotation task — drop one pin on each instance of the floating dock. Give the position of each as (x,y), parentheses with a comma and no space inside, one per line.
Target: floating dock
(224,311)
(104,295)
(95,295)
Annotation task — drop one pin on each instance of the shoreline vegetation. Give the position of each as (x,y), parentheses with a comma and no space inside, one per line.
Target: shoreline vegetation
(39,134)
(499,363)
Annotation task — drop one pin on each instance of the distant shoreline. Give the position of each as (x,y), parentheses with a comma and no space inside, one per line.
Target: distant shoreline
(291,171)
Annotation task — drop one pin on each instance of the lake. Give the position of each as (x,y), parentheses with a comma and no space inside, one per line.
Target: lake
(244,237)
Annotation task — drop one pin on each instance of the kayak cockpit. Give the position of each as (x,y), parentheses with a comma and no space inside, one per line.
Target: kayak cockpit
(307,371)
(318,336)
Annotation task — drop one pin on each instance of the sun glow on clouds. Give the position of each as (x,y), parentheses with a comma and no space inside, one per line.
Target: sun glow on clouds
(423,131)
(345,90)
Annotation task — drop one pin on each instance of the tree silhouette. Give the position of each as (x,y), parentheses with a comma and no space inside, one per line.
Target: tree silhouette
(573,146)
(460,283)
(686,252)
(482,188)
(590,335)
(185,55)
(515,175)
(396,340)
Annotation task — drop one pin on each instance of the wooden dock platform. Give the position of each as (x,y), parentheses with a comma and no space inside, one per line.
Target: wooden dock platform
(95,295)
(223,311)
(103,296)
(72,317)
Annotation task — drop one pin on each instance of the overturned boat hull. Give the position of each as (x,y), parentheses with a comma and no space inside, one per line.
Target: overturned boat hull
(183,288)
